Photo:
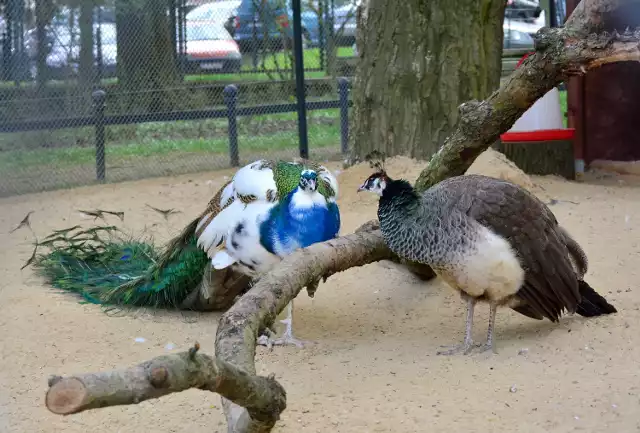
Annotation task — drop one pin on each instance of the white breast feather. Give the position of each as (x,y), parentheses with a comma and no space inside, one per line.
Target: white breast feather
(491,268)
(303,199)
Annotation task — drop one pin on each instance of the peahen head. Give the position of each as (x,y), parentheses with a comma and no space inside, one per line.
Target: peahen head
(308,181)
(376,183)
(387,188)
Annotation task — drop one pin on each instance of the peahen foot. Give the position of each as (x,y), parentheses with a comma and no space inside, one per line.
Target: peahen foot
(464,348)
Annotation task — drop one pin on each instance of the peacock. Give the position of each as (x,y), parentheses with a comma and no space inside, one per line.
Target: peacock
(267,210)
(491,240)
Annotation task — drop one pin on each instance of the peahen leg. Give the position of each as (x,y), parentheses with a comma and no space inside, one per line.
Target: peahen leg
(492,322)
(287,337)
(467,344)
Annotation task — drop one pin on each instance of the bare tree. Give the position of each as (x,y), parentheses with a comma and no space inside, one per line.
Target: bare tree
(253,404)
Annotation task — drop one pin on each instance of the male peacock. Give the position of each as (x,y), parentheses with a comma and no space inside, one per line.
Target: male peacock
(266,211)
(491,240)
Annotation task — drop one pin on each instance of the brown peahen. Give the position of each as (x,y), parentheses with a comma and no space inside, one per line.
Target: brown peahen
(491,240)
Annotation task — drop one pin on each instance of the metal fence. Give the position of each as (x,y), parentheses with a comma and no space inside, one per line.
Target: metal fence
(111,90)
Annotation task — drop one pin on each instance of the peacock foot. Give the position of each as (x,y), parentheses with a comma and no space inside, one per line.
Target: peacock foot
(288,339)
(464,348)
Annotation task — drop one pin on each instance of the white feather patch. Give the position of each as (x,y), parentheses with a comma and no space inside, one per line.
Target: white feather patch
(227,194)
(218,228)
(244,246)
(222,260)
(249,180)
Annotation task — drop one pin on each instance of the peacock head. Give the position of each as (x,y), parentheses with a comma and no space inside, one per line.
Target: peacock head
(308,181)
(375,183)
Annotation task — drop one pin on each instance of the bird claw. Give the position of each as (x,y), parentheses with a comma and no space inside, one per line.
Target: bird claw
(464,348)
(486,347)
(467,347)
(266,341)
(290,340)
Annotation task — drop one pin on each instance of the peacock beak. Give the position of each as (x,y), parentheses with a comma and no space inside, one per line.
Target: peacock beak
(362,188)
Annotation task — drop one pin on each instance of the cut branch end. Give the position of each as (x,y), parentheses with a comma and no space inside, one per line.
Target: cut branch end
(66,396)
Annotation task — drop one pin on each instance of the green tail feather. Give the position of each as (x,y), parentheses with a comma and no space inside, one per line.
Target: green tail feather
(106,269)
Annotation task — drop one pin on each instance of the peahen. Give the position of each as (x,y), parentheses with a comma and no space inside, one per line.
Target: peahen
(266,211)
(491,240)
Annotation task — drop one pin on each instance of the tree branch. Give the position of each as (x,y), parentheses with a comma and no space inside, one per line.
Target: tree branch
(561,53)
(165,375)
(238,327)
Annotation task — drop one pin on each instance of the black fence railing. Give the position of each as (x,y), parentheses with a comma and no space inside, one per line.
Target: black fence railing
(99,120)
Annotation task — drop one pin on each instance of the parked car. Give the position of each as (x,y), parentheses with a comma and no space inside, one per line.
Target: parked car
(210,48)
(270,22)
(221,11)
(526,10)
(521,26)
(516,39)
(63,50)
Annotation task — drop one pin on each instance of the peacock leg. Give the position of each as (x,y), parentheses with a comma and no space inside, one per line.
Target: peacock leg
(467,344)
(287,337)
(492,322)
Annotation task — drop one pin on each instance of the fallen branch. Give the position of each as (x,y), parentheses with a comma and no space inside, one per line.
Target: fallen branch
(263,396)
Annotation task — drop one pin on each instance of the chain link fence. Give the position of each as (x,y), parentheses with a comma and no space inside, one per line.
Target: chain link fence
(111,90)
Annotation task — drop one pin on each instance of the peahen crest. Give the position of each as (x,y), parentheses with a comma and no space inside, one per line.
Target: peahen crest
(376,160)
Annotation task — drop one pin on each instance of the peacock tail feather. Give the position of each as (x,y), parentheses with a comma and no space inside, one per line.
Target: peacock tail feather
(113,270)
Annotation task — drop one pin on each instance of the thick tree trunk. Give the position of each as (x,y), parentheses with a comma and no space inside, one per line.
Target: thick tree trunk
(418,61)
(145,55)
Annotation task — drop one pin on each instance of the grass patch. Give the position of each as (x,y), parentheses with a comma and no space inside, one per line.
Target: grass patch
(259,134)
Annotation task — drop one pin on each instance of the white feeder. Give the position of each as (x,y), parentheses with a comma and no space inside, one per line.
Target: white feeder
(544,114)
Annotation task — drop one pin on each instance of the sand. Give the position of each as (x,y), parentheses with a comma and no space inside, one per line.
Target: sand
(377,328)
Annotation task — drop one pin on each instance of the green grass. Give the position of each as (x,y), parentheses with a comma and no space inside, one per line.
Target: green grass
(260,134)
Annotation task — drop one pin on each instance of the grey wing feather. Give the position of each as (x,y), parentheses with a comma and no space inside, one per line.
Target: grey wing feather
(551,284)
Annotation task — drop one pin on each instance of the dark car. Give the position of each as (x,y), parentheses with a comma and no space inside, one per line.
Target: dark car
(270,22)
(526,10)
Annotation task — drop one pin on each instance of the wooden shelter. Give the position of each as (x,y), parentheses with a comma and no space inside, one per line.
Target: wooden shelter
(604,105)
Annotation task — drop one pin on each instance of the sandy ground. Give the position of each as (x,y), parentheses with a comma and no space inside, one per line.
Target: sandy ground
(374,367)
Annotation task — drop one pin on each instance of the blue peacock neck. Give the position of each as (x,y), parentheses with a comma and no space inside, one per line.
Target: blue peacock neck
(296,222)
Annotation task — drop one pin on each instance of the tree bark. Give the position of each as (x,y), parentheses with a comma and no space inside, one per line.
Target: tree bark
(418,61)
(561,52)
(145,56)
